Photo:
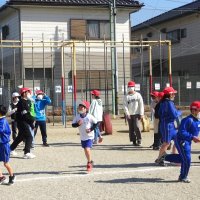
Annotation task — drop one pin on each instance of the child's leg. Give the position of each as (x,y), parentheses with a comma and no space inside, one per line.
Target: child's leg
(163,149)
(1,173)
(88,154)
(9,168)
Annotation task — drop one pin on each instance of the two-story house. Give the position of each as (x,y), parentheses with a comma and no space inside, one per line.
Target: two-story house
(40,27)
(182,27)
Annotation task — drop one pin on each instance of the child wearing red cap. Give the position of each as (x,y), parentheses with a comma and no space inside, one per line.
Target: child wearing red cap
(167,116)
(86,124)
(189,130)
(96,109)
(134,109)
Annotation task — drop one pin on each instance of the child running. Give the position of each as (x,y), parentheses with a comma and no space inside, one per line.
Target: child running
(167,115)
(5,133)
(86,124)
(188,131)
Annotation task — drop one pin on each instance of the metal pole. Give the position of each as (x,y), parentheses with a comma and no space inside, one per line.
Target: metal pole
(160,49)
(33,69)
(63,84)
(14,67)
(112,32)
(170,63)
(44,75)
(150,69)
(22,59)
(2,76)
(74,78)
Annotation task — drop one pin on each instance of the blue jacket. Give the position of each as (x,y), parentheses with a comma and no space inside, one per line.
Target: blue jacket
(167,116)
(4,131)
(190,127)
(40,108)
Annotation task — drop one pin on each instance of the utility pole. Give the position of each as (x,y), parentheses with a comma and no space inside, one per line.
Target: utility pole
(113,12)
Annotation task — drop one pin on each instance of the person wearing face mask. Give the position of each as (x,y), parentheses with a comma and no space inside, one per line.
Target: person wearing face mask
(86,124)
(41,101)
(134,111)
(24,121)
(167,115)
(188,131)
(12,113)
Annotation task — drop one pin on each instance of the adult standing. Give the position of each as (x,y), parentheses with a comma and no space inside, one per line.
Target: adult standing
(96,109)
(41,101)
(134,110)
(24,122)
(12,113)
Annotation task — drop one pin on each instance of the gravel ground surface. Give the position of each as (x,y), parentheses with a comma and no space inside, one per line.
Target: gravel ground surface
(121,171)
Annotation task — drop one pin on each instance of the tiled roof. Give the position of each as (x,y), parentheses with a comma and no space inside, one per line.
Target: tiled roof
(104,3)
(172,14)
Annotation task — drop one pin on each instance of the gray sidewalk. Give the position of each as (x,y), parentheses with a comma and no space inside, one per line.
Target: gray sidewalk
(121,171)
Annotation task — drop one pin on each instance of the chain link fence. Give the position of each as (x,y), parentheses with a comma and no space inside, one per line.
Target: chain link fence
(188,91)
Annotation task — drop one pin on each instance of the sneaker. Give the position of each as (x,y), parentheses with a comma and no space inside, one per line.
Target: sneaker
(156,148)
(11,180)
(13,153)
(2,179)
(29,156)
(89,166)
(184,180)
(45,144)
(134,143)
(94,141)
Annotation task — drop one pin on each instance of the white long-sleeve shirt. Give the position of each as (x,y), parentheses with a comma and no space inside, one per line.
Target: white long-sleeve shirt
(96,109)
(133,104)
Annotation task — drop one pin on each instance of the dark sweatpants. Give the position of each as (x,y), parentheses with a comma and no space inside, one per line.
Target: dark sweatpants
(23,134)
(134,131)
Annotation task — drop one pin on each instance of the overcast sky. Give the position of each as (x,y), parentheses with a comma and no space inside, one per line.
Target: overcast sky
(151,9)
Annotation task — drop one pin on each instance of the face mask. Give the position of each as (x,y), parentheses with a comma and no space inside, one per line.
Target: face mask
(198,116)
(130,89)
(40,97)
(81,112)
(28,96)
(16,100)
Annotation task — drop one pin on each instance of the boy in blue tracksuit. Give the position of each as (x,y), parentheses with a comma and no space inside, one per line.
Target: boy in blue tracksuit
(5,133)
(167,116)
(41,101)
(188,131)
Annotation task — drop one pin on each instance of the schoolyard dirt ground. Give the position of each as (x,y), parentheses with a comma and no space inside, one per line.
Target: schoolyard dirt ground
(121,171)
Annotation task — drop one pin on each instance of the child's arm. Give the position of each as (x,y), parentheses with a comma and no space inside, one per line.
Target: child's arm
(76,123)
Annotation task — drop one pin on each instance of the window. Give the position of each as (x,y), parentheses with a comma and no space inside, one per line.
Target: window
(92,79)
(5,32)
(174,36)
(98,29)
(91,29)
(38,73)
(183,33)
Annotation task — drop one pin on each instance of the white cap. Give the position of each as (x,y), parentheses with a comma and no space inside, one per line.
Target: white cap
(15,94)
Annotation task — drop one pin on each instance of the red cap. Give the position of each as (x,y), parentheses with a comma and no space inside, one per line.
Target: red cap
(195,105)
(85,104)
(22,90)
(169,90)
(131,84)
(161,94)
(155,94)
(39,92)
(95,92)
